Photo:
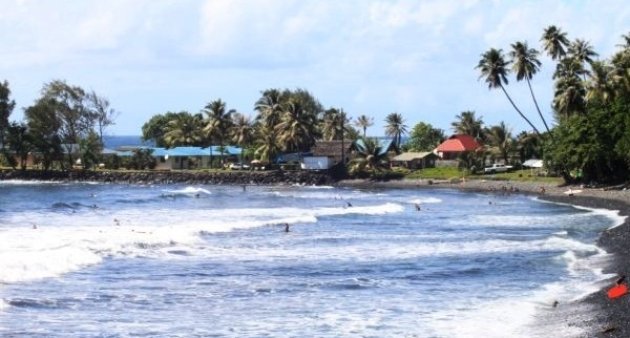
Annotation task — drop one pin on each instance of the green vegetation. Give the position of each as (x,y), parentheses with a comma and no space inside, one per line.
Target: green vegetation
(591,111)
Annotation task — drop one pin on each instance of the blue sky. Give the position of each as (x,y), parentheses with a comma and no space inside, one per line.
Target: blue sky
(367,57)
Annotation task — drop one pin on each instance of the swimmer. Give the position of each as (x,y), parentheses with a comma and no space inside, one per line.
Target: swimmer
(417,206)
(286,227)
(349,204)
(116,221)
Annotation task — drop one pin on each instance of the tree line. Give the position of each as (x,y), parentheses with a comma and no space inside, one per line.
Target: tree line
(591,104)
(63,121)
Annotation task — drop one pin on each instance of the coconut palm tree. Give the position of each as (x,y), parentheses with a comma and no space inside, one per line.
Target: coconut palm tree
(395,127)
(493,69)
(582,52)
(555,42)
(296,130)
(184,130)
(242,130)
(269,107)
(267,143)
(500,138)
(525,64)
(468,124)
(600,85)
(364,122)
(218,123)
(569,96)
(334,125)
(369,157)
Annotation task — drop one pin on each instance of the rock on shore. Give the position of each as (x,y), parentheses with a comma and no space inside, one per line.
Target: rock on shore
(167,177)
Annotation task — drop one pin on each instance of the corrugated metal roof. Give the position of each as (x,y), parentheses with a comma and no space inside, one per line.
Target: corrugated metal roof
(410,156)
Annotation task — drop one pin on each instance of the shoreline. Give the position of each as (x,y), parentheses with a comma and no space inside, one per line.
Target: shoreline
(595,315)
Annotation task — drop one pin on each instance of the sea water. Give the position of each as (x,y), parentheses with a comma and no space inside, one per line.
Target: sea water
(109,260)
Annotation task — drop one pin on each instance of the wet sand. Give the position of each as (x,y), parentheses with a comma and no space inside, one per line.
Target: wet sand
(594,315)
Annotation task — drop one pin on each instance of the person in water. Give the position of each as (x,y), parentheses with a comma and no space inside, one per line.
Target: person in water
(286,227)
(417,206)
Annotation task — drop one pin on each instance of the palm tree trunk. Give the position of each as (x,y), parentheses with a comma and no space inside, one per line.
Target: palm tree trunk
(519,111)
(536,104)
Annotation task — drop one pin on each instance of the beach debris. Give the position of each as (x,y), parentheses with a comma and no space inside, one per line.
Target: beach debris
(572,192)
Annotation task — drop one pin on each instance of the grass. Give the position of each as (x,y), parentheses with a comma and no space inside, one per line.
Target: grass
(448,173)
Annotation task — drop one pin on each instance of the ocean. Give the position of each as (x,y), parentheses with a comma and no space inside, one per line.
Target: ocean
(113,260)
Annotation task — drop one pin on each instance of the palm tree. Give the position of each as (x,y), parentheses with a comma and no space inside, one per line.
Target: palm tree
(218,123)
(600,85)
(242,130)
(267,143)
(395,128)
(582,52)
(296,130)
(334,124)
(493,67)
(466,123)
(554,42)
(569,96)
(184,130)
(364,122)
(500,138)
(525,64)
(369,157)
(269,107)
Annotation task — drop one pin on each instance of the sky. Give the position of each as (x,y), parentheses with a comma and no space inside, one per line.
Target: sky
(416,58)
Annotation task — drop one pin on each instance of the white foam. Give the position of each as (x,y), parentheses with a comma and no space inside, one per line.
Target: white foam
(28,182)
(613,215)
(62,242)
(189,191)
(425,200)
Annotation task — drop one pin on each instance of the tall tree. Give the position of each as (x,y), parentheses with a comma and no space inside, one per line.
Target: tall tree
(555,42)
(364,122)
(104,115)
(525,64)
(6,107)
(218,123)
(267,143)
(493,69)
(242,130)
(468,124)
(370,157)
(44,125)
(154,129)
(269,107)
(184,130)
(19,142)
(335,125)
(296,130)
(424,137)
(500,138)
(395,127)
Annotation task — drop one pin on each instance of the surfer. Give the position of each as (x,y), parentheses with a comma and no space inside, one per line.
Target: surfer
(349,204)
(417,206)
(116,221)
(286,227)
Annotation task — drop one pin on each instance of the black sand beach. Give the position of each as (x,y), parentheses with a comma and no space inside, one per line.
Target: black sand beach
(592,316)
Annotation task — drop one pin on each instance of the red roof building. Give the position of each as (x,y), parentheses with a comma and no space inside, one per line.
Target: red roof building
(456,145)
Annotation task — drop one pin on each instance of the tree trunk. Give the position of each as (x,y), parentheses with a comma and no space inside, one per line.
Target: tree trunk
(536,104)
(519,111)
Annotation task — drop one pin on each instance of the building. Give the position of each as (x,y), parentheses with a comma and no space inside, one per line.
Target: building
(456,145)
(413,160)
(333,150)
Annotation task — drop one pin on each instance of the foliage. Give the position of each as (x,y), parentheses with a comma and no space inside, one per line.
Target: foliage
(19,144)
(142,159)
(395,127)
(90,149)
(6,107)
(424,137)
(154,129)
(364,122)
(370,158)
(435,173)
(468,124)
(184,130)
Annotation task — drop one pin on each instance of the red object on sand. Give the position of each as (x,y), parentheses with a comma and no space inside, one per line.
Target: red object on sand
(617,291)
